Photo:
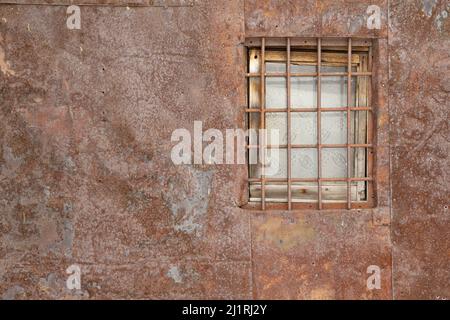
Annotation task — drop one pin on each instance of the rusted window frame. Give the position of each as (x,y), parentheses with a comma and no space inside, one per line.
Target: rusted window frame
(287,43)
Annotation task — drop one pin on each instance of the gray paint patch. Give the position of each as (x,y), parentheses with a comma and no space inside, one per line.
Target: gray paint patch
(13,292)
(174,274)
(440,18)
(68,236)
(189,203)
(428,6)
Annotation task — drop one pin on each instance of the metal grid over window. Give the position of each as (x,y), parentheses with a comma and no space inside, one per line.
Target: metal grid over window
(317,93)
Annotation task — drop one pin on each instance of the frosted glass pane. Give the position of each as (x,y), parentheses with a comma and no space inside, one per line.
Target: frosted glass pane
(303,68)
(334,92)
(272,67)
(276,96)
(276,165)
(334,127)
(276,121)
(304,163)
(334,89)
(334,163)
(304,92)
(304,127)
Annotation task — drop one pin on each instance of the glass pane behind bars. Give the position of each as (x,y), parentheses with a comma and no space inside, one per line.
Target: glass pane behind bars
(303,89)
(304,125)
(276,96)
(304,161)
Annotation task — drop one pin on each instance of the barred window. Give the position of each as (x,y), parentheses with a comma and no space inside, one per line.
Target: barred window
(324,155)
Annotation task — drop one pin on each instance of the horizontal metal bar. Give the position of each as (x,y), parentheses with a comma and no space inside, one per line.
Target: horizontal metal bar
(309,146)
(256,180)
(311,74)
(322,109)
(308,41)
(106,3)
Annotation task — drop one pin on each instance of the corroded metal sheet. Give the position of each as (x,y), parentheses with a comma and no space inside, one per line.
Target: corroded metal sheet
(143,3)
(87,179)
(419,101)
(86,172)
(326,255)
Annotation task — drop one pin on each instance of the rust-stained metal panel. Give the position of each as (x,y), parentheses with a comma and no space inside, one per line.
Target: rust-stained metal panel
(325,254)
(131,3)
(86,172)
(319,256)
(419,99)
(87,179)
(312,18)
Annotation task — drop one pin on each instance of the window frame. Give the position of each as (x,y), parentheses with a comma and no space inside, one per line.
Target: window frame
(350,46)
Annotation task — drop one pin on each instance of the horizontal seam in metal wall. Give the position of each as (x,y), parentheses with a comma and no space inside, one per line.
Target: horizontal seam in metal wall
(124,5)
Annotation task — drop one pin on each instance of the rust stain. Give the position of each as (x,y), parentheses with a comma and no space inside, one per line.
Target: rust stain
(323,293)
(284,234)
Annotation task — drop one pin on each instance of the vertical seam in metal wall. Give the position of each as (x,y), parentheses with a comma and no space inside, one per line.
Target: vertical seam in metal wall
(250,216)
(389,145)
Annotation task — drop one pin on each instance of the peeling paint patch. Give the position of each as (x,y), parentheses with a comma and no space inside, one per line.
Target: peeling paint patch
(4,65)
(428,6)
(440,19)
(255,19)
(68,236)
(174,274)
(13,293)
(189,204)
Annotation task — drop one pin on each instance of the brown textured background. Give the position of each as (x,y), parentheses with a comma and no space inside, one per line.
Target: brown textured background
(86,177)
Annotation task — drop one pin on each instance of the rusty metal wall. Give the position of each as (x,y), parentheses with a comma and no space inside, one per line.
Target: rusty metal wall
(87,179)
(419,37)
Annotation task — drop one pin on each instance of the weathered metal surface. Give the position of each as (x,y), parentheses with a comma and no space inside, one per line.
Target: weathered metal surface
(131,3)
(86,175)
(325,255)
(319,256)
(419,97)
(312,18)
(87,178)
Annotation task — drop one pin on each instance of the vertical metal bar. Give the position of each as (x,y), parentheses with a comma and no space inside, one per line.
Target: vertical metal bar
(369,95)
(349,99)
(319,124)
(369,131)
(263,123)
(289,150)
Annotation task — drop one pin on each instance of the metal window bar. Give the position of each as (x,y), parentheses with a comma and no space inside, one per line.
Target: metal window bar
(349,99)
(319,123)
(262,146)
(311,74)
(263,123)
(288,90)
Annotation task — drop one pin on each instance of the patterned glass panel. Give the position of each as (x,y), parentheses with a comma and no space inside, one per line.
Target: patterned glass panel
(304,163)
(334,163)
(304,127)
(334,127)
(276,96)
